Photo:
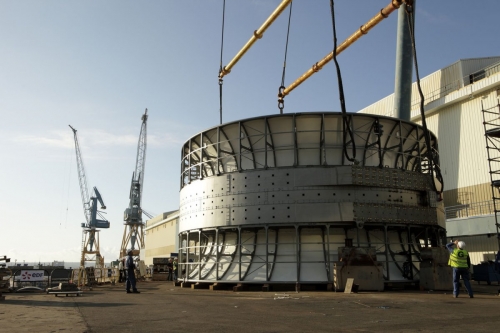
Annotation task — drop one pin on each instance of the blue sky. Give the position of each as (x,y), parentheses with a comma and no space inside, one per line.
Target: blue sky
(98,64)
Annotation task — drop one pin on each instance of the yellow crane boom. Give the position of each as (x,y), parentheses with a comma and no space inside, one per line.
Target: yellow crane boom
(257,34)
(363,30)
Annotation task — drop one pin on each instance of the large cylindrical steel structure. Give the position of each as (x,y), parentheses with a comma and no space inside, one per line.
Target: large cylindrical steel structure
(271,199)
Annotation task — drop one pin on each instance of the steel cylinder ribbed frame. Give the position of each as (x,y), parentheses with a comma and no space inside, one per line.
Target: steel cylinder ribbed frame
(214,152)
(250,190)
(397,247)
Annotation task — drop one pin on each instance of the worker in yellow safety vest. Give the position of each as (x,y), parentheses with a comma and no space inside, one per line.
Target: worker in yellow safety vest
(460,263)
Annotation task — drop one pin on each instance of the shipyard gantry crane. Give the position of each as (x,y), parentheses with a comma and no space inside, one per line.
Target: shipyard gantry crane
(133,235)
(93,217)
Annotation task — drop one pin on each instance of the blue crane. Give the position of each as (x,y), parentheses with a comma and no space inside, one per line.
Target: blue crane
(93,217)
(133,236)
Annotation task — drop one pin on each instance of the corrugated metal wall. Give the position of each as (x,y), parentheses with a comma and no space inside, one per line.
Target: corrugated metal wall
(480,248)
(384,107)
(468,195)
(161,240)
(462,145)
(458,126)
(448,79)
(435,85)
(470,66)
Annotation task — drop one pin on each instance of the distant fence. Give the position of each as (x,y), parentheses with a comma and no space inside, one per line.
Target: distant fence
(95,276)
(43,278)
(40,278)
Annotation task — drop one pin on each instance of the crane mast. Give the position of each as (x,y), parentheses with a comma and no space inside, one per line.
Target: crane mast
(133,235)
(82,179)
(93,217)
(141,153)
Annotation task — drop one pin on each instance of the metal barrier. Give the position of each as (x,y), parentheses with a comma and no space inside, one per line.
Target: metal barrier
(473,209)
(41,279)
(59,275)
(455,85)
(30,279)
(94,276)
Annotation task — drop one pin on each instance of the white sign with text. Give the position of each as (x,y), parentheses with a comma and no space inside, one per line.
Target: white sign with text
(31,275)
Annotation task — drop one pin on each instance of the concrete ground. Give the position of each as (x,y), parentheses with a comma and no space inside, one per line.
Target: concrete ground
(162,307)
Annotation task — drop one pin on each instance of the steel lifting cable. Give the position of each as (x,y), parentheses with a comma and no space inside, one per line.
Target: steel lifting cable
(281,101)
(221,51)
(345,120)
(434,167)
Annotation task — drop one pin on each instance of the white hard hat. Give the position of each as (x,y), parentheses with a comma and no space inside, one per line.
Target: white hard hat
(461,244)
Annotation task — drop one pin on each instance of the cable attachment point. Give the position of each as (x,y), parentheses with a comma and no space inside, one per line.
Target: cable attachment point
(256,35)
(396,3)
(221,75)
(408,8)
(223,71)
(281,100)
(408,3)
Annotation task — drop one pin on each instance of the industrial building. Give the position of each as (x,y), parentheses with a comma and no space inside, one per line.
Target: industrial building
(161,233)
(458,100)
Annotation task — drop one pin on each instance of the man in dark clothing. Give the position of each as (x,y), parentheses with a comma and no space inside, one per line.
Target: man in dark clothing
(175,266)
(129,264)
(170,268)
